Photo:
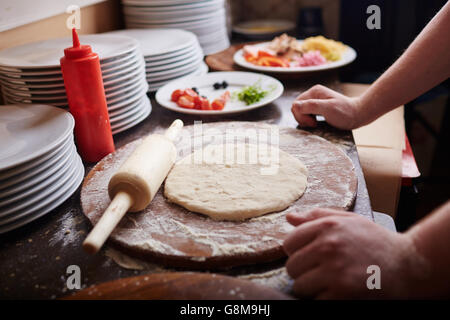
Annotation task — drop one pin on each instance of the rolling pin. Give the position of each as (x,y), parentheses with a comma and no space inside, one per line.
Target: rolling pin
(135,184)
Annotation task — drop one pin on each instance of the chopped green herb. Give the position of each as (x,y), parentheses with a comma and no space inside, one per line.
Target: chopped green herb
(251,94)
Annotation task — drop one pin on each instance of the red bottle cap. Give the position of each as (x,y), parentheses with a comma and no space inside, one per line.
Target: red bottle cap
(78,50)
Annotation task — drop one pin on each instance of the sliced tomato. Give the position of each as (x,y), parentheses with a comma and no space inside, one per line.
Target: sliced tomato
(198,102)
(201,103)
(206,105)
(186,101)
(190,92)
(176,95)
(218,104)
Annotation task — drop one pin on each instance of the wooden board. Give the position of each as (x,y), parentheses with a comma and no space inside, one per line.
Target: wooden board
(179,286)
(223,60)
(170,235)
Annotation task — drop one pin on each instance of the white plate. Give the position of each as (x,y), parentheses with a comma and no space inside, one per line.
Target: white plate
(133,121)
(23,100)
(62,195)
(57,101)
(52,72)
(202,70)
(138,83)
(137,72)
(10,100)
(214,48)
(37,85)
(161,75)
(33,189)
(236,81)
(38,96)
(124,102)
(173,11)
(42,87)
(118,112)
(25,205)
(182,18)
(46,54)
(156,42)
(216,35)
(218,15)
(164,3)
(170,57)
(124,64)
(29,131)
(117,73)
(36,174)
(129,94)
(19,171)
(105,63)
(27,72)
(42,90)
(130,115)
(173,57)
(347,57)
(194,56)
(32,78)
(107,74)
(112,88)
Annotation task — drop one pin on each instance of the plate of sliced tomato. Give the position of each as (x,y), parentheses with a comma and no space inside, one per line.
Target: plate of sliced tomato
(219,93)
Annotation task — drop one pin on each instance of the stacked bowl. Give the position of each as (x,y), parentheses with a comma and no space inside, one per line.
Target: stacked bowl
(31,73)
(205,18)
(168,53)
(39,164)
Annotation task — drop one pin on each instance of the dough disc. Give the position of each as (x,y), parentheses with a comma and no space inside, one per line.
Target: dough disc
(236,181)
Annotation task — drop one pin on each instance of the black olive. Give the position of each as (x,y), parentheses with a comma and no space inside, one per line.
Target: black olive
(224,84)
(195,89)
(217,86)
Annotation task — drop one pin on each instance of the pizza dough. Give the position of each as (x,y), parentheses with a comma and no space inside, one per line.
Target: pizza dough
(236,181)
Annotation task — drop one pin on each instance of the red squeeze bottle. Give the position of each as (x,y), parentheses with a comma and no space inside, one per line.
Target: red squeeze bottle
(87,101)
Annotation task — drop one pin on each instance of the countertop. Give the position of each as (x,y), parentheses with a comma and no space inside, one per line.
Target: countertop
(34,258)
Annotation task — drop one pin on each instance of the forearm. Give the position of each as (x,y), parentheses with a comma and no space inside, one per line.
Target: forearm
(431,238)
(425,64)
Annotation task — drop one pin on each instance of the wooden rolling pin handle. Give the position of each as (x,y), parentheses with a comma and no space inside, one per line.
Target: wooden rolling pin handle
(123,201)
(109,220)
(174,129)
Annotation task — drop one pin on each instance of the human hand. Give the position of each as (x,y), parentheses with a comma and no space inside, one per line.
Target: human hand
(329,252)
(339,111)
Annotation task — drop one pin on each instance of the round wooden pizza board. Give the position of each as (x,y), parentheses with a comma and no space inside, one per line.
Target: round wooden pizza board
(170,235)
(179,286)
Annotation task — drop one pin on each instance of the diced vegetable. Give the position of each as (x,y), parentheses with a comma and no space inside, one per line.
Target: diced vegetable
(251,94)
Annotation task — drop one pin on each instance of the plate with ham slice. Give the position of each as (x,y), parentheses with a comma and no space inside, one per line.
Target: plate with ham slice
(286,54)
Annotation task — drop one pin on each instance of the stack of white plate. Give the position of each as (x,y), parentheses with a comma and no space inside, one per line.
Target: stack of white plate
(31,73)
(169,54)
(39,164)
(205,18)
